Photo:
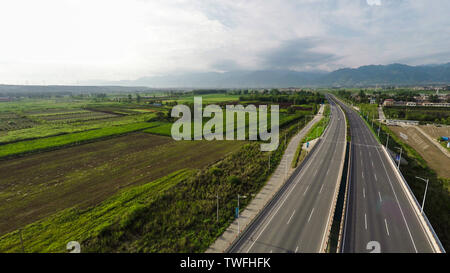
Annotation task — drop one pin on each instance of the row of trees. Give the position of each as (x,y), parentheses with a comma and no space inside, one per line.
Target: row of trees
(302,97)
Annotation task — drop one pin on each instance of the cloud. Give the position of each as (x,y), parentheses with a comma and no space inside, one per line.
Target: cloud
(374,2)
(65,41)
(298,54)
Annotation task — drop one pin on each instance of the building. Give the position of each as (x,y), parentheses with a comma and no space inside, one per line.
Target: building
(411,103)
(4,99)
(388,102)
(436,104)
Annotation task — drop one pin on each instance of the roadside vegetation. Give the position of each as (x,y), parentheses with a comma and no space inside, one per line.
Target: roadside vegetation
(424,115)
(316,130)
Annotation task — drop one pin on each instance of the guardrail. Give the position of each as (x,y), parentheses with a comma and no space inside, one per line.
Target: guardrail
(336,192)
(342,228)
(410,192)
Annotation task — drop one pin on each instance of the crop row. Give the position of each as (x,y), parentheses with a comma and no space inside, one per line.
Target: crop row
(49,143)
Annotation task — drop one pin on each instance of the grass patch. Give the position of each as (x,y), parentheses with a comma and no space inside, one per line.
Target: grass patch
(53,233)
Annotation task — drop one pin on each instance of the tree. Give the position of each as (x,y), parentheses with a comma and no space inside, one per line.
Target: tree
(159,115)
(290,110)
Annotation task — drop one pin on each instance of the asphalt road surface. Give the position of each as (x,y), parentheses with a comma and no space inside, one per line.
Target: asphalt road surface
(298,220)
(378,208)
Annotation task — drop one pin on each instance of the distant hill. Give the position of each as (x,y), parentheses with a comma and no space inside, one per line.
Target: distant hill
(6,89)
(370,75)
(393,74)
(263,78)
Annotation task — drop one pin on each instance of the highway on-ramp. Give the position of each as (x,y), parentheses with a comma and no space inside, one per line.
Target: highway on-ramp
(379,212)
(298,220)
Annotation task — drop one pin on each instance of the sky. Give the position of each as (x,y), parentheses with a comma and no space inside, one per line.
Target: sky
(75,41)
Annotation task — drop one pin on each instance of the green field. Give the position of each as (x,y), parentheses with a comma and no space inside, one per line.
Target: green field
(208,98)
(105,173)
(44,144)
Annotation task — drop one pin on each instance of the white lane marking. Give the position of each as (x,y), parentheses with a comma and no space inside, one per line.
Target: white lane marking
(296,249)
(290,217)
(271,251)
(306,190)
(371,162)
(376,179)
(370,155)
(362,175)
(328,171)
(379,194)
(398,203)
(365,220)
(387,229)
(361,162)
(315,173)
(364,192)
(310,215)
(321,188)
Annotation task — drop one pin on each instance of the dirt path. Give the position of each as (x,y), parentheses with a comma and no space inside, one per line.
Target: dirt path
(435,158)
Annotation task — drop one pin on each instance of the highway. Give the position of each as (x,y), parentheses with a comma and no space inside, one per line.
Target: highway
(378,208)
(299,217)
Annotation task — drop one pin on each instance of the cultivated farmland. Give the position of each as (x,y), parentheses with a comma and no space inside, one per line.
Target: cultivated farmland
(12,121)
(70,117)
(87,174)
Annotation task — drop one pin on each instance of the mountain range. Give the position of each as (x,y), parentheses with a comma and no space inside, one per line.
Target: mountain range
(370,75)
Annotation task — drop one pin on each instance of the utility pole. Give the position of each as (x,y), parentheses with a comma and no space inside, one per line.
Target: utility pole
(372,119)
(285,169)
(387,141)
(243,196)
(425,194)
(400,158)
(238,214)
(217,214)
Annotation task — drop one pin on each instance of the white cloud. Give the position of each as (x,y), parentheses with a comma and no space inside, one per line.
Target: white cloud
(65,41)
(374,2)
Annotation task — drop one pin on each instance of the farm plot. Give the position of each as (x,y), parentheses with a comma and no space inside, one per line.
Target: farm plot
(12,121)
(438,161)
(70,117)
(87,174)
(164,128)
(114,110)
